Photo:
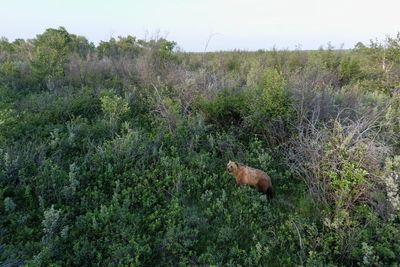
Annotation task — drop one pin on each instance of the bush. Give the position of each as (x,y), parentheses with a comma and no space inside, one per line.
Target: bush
(349,70)
(270,107)
(226,110)
(114,107)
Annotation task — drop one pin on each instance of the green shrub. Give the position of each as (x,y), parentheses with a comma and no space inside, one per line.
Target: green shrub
(271,111)
(50,56)
(114,107)
(227,109)
(349,70)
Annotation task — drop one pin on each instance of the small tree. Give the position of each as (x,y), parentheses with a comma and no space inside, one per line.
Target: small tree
(49,57)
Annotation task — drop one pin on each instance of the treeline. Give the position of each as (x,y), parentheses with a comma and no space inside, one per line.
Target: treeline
(115,154)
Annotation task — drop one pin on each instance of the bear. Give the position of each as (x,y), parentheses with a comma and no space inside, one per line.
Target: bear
(250,176)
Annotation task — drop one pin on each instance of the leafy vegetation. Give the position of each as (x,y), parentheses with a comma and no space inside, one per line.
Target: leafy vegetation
(116,154)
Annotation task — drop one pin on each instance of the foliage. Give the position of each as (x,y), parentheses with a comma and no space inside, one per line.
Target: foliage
(114,107)
(226,108)
(270,106)
(50,56)
(115,154)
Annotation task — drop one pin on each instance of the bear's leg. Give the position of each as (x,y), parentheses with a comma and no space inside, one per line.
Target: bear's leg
(263,186)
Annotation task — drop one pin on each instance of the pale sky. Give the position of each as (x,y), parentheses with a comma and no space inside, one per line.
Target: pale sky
(234,24)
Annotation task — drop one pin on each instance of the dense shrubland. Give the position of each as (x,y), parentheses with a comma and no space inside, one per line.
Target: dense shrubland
(115,154)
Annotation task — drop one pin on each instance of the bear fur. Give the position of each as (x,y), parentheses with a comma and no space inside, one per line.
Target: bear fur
(250,176)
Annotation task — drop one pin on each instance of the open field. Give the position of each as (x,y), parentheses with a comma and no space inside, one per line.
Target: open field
(115,154)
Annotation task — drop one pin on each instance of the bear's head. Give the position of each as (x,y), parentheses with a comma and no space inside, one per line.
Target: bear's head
(232,166)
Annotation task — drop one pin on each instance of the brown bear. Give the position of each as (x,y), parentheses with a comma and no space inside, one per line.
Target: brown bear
(250,176)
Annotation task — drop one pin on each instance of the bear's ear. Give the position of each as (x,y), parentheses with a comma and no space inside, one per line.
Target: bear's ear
(237,164)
